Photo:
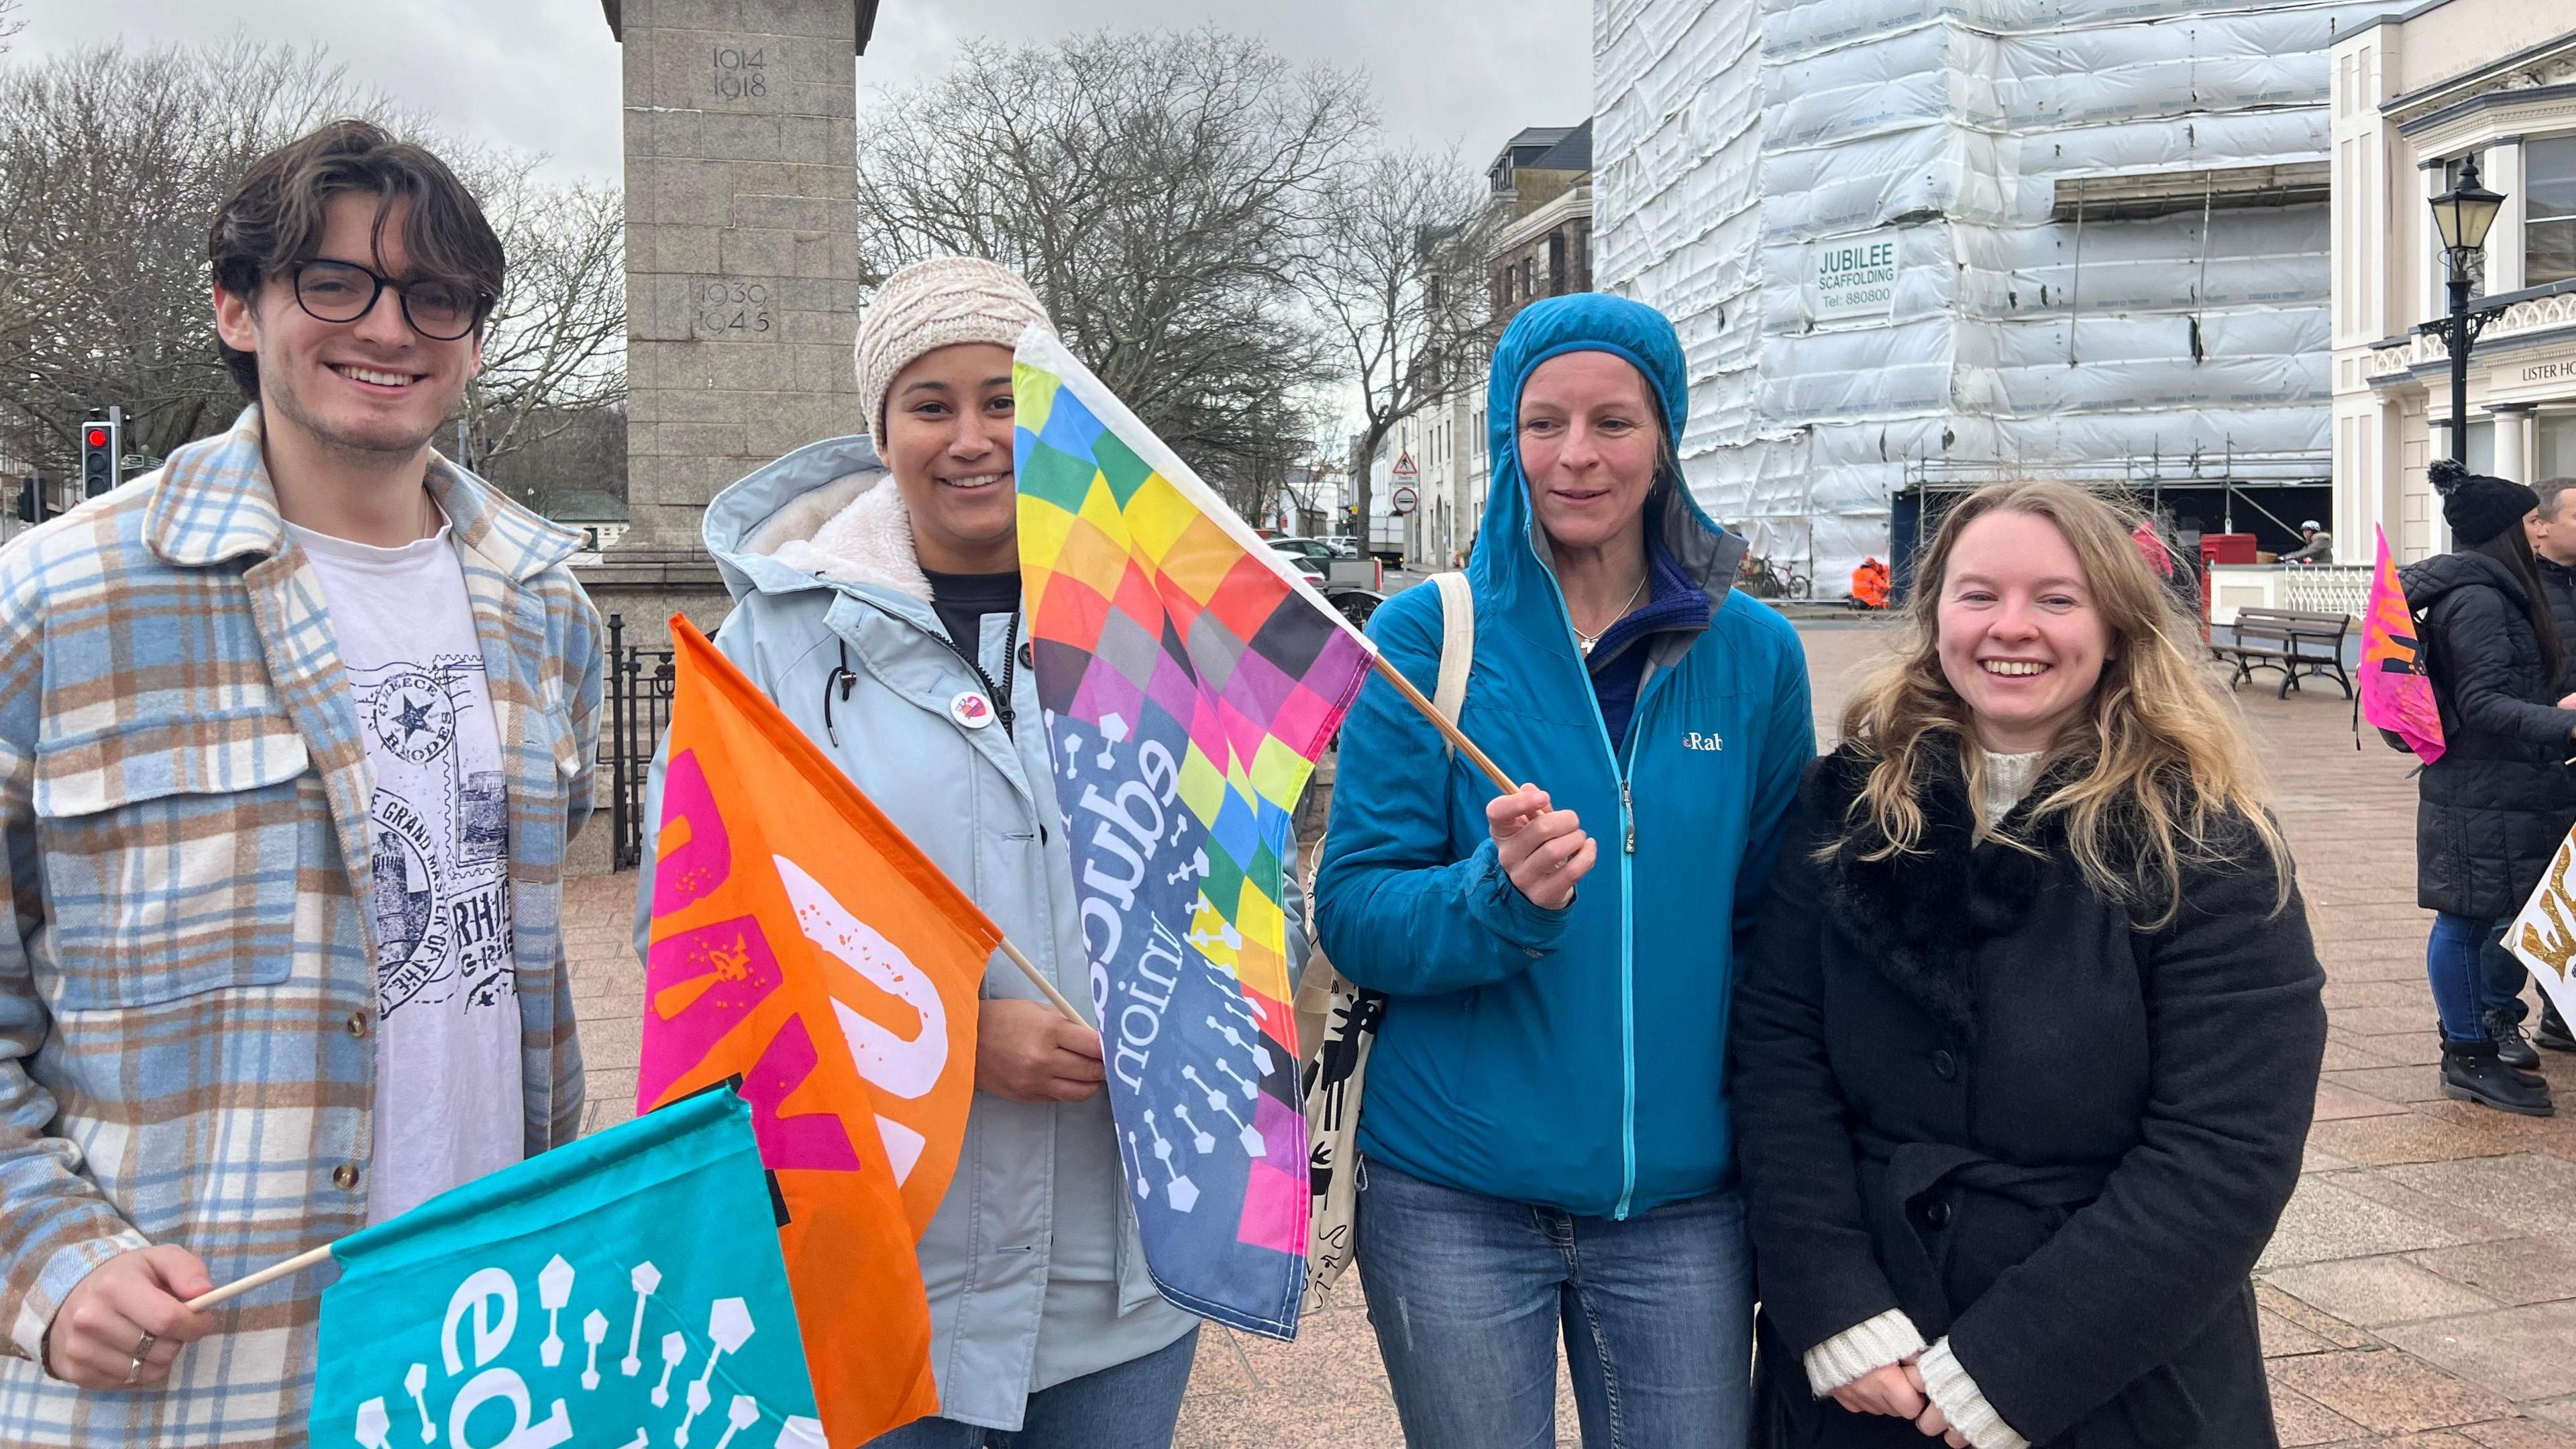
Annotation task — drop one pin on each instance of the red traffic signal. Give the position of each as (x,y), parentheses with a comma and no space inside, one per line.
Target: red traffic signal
(98,437)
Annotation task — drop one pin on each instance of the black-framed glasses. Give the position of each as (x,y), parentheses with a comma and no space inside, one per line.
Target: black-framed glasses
(332,291)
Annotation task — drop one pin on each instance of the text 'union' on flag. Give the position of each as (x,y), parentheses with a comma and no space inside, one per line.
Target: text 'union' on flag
(1190,679)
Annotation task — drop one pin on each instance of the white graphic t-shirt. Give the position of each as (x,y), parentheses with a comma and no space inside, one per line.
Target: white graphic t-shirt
(448,1107)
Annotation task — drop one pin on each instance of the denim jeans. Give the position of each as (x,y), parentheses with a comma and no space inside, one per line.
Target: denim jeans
(2454,959)
(1468,1293)
(1136,1405)
(2501,976)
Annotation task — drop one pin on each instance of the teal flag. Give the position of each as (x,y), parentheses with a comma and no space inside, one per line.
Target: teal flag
(623,1292)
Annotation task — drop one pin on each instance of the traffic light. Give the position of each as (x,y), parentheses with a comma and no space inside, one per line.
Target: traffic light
(31,500)
(101,450)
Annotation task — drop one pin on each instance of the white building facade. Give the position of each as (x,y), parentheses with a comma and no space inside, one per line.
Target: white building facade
(1913,245)
(2416,93)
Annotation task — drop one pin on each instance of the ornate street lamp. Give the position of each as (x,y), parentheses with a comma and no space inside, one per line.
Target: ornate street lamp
(2462,216)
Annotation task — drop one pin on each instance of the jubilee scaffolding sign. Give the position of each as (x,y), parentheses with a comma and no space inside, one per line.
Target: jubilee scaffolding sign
(1852,276)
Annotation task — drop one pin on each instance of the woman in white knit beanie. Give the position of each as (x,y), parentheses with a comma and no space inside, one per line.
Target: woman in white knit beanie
(877,593)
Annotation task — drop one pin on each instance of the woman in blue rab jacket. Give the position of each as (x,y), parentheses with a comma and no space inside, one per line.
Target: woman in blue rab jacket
(1544,1135)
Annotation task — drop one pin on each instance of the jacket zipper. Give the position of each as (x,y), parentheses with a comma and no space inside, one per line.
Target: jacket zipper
(1628,936)
(1000,698)
(1627,894)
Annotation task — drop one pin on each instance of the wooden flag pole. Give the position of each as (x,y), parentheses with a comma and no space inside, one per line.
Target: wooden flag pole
(309,1258)
(316,1256)
(1464,745)
(1038,979)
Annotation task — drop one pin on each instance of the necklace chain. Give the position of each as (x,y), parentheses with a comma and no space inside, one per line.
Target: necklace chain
(1586,641)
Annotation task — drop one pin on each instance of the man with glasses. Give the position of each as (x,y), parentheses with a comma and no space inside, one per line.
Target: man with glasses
(293,733)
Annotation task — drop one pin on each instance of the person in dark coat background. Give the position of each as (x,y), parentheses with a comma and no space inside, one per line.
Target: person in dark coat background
(2027,1036)
(2492,810)
(2552,530)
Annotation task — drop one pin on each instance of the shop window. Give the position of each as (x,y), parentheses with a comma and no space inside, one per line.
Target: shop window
(2548,210)
(2556,453)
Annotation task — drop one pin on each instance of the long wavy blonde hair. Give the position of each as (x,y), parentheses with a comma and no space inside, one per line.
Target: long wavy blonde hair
(2168,780)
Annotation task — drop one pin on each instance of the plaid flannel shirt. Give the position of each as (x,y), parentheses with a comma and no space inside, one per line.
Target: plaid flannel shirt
(187,960)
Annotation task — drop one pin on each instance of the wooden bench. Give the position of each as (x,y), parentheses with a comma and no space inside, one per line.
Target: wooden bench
(2296,642)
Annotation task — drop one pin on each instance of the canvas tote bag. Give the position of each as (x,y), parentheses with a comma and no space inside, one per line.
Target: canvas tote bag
(1341,1020)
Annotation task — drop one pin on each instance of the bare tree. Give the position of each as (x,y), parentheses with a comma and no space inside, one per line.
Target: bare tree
(554,351)
(1395,266)
(1149,186)
(112,163)
(1309,488)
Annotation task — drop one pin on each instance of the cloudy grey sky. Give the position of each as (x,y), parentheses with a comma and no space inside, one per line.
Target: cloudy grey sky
(541,75)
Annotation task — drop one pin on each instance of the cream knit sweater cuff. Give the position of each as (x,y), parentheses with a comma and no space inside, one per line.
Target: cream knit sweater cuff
(1947,1383)
(1889,1338)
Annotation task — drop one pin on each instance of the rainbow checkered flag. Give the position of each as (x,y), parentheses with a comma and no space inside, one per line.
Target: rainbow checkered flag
(1190,679)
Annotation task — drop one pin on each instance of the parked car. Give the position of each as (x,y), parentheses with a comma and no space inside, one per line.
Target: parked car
(1354,592)
(1313,548)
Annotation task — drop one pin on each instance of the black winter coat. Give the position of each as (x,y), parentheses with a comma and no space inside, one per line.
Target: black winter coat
(2558,586)
(1966,1086)
(2491,812)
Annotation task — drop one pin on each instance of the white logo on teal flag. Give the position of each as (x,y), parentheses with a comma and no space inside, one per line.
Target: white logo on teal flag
(625,1291)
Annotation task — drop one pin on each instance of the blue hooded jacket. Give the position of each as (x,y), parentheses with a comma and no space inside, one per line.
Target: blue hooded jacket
(1575,1057)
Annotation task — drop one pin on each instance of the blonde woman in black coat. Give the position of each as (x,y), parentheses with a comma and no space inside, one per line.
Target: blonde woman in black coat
(2026,1041)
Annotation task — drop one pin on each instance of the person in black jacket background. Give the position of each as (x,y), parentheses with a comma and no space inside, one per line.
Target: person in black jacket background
(2492,810)
(2026,1039)
(2552,530)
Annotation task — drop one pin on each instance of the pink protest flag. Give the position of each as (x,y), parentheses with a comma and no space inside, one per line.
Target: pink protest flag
(2396,694)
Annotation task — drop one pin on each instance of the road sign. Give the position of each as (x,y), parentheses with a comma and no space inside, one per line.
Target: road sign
(1405,472)
(1402,499)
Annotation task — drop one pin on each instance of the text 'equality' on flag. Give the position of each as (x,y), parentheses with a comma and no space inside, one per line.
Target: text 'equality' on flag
(1189,682)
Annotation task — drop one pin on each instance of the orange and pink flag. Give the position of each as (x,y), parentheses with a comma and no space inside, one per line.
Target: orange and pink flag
(2396,693)
(802,944)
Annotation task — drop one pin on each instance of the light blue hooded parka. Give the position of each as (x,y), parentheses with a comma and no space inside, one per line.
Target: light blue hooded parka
(1574,1058)
(818,554)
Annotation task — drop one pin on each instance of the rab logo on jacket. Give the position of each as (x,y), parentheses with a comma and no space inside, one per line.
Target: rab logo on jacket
(1695,740)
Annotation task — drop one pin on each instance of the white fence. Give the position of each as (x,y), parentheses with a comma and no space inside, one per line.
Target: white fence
(2317,588)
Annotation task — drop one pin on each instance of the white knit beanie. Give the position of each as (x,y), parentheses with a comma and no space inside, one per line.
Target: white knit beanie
(932,304)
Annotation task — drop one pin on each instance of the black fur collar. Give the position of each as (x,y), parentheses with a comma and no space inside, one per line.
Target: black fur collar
(1927,908)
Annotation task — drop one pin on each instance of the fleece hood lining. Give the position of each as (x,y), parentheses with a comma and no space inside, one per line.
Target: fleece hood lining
(852,530)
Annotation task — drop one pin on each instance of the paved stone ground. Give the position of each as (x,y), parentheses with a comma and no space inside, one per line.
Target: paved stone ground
(2421,1290)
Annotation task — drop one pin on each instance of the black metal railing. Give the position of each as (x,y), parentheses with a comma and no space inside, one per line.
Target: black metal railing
(639,706)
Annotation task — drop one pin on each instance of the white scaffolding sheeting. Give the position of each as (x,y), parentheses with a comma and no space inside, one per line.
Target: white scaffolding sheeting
(2082,274)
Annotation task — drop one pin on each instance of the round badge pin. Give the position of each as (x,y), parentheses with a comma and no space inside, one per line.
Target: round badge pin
(970,709)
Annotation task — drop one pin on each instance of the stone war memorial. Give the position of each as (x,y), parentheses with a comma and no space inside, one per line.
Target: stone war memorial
(742,269)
